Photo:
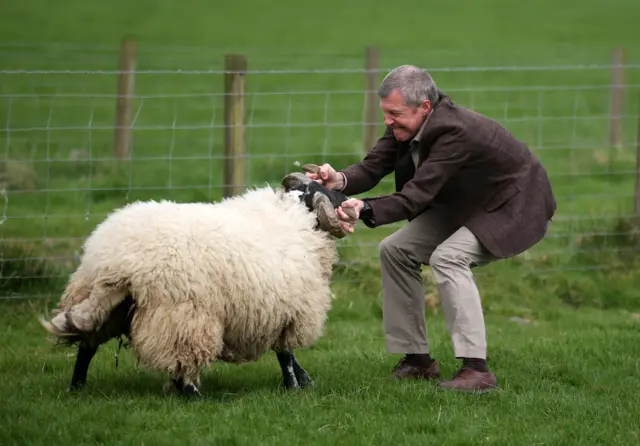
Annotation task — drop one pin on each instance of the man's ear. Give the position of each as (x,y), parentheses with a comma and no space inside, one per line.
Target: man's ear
(425,107)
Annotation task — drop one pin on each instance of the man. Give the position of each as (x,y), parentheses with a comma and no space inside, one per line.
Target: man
(472,194)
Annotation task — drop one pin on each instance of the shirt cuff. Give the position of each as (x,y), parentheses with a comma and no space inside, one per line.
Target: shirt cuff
(344,182)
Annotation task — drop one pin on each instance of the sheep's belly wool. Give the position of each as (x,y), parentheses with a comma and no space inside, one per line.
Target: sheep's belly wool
(212,281)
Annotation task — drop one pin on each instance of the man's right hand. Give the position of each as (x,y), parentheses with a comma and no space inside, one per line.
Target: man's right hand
(328,177)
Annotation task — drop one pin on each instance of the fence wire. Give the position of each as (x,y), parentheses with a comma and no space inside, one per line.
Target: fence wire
(60,175)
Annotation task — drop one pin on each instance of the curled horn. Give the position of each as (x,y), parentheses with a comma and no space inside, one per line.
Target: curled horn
(295,181)
(323,200)
(336,198)
(327,216)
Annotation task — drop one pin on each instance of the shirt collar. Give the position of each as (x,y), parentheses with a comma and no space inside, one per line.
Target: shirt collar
(416,139)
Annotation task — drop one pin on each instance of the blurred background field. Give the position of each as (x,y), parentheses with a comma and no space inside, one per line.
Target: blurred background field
(548,78)
(563,76)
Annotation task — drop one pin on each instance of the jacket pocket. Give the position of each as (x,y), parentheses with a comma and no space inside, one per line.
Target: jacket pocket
(501,197)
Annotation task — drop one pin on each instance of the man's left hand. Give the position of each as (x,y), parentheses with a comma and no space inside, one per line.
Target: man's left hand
(348,222)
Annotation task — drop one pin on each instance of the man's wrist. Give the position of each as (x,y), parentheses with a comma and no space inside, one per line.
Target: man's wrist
(366,213)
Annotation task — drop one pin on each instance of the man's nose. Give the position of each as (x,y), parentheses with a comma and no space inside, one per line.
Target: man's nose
(387,120)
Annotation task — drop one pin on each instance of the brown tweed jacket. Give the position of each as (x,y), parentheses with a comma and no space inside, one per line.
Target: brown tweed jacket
(470,167)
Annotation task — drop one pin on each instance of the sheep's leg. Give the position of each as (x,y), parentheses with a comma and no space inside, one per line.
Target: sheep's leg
(293,375)
(86,352)
(302,376)
(186,386)
(117,324)
(178,383)
(190,389)
(285,359)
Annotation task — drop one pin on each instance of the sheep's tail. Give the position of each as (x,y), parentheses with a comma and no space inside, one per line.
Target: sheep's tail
(83,310)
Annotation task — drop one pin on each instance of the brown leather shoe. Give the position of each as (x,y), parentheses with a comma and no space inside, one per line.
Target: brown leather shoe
(471,381)
(406,369)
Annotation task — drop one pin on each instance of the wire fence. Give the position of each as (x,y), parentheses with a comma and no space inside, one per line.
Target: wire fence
(62,170)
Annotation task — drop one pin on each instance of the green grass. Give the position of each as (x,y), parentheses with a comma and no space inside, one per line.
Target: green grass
(569,377)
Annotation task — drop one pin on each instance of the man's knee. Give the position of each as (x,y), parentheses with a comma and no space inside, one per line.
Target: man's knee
(392,248)
(445,256)
(462,251)
(388,247)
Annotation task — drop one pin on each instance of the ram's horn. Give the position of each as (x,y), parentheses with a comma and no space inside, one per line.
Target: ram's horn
(327,216)
(324,202)
(295,180)
(311,168)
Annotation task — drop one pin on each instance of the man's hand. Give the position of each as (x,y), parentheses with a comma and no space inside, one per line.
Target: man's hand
(328,177)
(347,222)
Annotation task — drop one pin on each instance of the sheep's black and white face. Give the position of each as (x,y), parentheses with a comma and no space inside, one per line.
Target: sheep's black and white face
(318,199)
(300,186)
(297,185)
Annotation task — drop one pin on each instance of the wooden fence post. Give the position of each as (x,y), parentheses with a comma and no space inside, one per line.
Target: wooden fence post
(126,79)
(637,194)
(234,117)
(372,64)
(615,111)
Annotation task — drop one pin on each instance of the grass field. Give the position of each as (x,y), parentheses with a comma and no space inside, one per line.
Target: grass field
(569,372)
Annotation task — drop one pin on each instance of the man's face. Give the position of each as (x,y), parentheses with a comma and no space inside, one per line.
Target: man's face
(405,119)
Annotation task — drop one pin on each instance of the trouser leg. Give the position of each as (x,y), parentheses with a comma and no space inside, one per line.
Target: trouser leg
(401,256)
(451,263)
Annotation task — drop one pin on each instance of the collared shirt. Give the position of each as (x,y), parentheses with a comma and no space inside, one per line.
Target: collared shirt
(415,142)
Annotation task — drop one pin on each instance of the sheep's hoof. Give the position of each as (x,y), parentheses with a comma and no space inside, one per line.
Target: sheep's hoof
(304,380)
(293,375)
(190,390)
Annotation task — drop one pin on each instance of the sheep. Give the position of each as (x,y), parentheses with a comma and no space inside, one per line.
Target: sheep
(193,283)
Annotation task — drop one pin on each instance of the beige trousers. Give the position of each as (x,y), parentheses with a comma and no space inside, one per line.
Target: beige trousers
(451,253)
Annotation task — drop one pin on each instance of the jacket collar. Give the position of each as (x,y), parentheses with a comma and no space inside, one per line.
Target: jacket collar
(415,142)
(415,145)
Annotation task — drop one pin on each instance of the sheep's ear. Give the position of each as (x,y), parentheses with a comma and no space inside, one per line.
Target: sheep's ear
(327,216)
(295,180)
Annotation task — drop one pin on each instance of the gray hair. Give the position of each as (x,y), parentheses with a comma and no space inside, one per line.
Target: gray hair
(414,83)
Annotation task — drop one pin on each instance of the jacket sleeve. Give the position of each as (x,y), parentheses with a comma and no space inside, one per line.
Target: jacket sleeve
(417,194)
(377,163)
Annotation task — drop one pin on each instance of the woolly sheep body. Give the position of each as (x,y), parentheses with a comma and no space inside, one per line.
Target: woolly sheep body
(225,281)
